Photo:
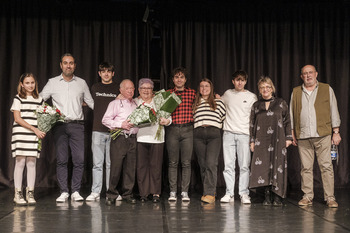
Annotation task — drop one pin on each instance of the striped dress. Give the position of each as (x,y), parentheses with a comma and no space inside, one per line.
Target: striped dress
(24,141)
(206,116)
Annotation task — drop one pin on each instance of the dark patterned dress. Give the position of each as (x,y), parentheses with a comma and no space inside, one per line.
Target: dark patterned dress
(269,130)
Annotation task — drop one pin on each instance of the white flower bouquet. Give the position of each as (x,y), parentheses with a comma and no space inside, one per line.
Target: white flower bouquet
(166,103)
(47,116)
(142,116)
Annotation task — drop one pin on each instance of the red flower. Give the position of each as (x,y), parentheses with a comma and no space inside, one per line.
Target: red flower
(154,112)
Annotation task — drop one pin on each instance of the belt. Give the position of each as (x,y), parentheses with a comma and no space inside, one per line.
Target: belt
(182,125)
(74,121)
(128,135)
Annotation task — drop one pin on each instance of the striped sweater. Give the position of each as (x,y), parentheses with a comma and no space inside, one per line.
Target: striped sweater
(204,115)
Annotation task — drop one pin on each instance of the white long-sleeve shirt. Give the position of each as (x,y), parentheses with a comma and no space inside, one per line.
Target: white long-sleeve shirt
(238,106)
(68,97)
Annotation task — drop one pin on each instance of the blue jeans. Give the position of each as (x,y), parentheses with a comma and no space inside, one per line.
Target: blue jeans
(236,146)
(100,145)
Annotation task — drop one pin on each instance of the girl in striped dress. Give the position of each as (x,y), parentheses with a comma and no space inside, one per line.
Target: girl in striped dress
(208,115)
(25,135)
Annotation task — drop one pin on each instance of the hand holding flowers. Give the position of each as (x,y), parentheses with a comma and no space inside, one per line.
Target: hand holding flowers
(166,103)
(127,125)
(47,116)
(142,116)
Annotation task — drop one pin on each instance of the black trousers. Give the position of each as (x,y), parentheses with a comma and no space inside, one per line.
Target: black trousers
(149,168)
(207,145)
(123,159)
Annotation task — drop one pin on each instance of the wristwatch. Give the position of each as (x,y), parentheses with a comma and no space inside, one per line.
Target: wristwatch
(336,131)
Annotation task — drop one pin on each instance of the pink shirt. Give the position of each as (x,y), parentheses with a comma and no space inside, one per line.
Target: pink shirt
(117,112)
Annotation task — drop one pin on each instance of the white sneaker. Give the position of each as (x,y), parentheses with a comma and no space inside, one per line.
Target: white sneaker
(76,196)
(93,197)
(63,197)
(172,196)
(184,196)
(245,199)
(19,199)
(227,198)
(119,198)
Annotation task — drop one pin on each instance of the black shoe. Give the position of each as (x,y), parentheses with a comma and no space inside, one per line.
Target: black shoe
(143,199)
(130,200)
(267,200)
(155,199)
(277,200)
(110,201)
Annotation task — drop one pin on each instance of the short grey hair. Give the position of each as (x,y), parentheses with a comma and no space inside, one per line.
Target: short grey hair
(146,80)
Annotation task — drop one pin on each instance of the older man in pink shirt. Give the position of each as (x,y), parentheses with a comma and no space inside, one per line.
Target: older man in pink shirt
(123,148)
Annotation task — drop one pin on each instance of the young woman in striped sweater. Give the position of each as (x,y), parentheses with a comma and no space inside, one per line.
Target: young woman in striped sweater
(208,115)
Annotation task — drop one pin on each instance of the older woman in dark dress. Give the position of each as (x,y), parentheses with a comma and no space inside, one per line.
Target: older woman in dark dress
(270,133)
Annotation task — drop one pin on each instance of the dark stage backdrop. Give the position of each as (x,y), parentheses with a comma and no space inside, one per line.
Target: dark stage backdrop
(208,38)
(214,41)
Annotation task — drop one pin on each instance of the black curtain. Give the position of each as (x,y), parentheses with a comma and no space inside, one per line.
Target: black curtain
(34,35)
(263,38)
(210,38)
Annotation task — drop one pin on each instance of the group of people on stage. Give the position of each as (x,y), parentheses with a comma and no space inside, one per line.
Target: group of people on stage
(262,125)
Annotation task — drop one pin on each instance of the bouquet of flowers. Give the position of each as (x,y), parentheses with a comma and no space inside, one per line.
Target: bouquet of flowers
(47,116)
(166,103)
(142,116)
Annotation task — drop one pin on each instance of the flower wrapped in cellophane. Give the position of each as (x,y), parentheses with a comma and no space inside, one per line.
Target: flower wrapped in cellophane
(142,116)
(47,116)
(166,103)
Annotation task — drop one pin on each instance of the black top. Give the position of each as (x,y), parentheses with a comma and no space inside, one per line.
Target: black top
(102,94)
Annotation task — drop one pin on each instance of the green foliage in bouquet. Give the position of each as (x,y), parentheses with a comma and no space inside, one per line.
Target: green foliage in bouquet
(166,103)
(47,117)
(142,116)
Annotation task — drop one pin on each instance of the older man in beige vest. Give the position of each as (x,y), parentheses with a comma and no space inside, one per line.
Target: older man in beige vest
(315,126)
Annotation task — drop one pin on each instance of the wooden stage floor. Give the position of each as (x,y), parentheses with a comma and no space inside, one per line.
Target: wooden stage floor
(47,216)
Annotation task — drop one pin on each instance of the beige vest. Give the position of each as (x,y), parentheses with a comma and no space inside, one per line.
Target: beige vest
(322,108)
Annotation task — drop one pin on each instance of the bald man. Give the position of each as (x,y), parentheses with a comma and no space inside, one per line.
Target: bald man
(315,126)
(123,148)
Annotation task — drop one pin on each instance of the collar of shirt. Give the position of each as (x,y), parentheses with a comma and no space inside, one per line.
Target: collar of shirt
(305,90)
(177,91)
(74,78)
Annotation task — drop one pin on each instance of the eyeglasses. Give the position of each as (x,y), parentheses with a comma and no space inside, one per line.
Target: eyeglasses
(267,88)
(146,88)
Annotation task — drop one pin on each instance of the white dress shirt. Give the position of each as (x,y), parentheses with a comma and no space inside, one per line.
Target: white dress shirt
(68,96)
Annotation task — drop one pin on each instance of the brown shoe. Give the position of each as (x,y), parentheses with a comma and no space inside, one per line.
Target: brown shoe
(305,202)
(331,203)
(208,199)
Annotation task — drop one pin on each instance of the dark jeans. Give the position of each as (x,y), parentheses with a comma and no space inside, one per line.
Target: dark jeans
(69,135)
(207,145)
(179,141)
(149,168)
(123,158)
